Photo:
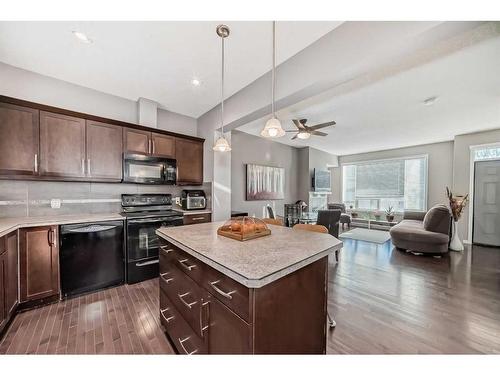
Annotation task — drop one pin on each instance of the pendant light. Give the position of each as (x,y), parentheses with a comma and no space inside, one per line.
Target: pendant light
(273,127)
(221,144)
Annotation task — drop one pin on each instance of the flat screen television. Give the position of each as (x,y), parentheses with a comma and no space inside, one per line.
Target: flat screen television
(322,180)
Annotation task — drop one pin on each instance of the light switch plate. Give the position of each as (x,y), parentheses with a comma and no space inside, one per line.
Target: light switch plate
(55,203)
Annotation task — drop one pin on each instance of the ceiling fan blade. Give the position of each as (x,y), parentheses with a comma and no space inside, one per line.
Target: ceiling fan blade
(318,133)
(323,125)
(298,124)
(294,137)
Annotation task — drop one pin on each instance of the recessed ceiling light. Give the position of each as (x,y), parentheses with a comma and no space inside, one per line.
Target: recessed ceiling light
(430,101)
(82,37)
(195,82)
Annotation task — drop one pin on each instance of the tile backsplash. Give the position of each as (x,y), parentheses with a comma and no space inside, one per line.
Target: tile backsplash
(32,198)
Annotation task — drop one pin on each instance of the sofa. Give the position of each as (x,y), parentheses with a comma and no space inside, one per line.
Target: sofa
(421,232)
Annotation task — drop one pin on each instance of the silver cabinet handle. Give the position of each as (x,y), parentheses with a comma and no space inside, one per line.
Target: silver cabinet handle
(204,327)
(153,143)
(182,341)
(88,167)
(147,263)
(83,166)
(36,163)
(186,266)
(163,277)
(213,284)
(189,305)
(166,249)
(197,218)
(162,312)
(149,146)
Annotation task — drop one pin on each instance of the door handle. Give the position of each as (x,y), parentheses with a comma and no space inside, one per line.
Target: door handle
(83,166)
(153,143)
(88,167)
(204,327)
(50,237)
(36,163)
(162,275)
(162,312)
(147,263)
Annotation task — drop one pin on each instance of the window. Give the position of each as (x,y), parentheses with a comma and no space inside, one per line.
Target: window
(377,185)
(487,153)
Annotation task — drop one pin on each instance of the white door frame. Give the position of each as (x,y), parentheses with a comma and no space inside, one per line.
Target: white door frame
(472,173)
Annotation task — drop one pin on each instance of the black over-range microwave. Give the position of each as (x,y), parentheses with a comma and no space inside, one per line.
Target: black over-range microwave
(146,169)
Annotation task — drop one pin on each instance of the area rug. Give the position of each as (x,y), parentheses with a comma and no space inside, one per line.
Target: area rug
(368,235)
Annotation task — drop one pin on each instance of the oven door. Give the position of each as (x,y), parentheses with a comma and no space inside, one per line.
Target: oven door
(142,240)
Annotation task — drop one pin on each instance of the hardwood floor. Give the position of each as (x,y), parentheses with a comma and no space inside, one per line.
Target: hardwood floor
(384,301)
(387,301)
(121,320)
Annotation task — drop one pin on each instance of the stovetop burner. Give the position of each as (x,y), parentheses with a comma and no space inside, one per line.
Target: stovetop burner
(147,205)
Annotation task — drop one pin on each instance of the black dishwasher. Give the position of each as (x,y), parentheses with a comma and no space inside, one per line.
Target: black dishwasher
(91,256)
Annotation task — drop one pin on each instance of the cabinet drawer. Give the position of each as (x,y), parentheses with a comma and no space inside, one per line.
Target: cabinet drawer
(231,293)
(186,296)
(197,218)
(179,331)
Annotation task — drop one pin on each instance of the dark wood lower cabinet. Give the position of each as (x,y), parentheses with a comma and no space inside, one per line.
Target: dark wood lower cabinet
(204,311)
(8,278)
(197,218)
(39,263)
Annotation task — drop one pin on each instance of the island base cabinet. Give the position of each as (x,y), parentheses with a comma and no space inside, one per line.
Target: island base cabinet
(39,264)
(207,312)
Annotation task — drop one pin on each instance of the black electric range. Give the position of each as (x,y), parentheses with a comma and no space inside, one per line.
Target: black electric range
(144,214)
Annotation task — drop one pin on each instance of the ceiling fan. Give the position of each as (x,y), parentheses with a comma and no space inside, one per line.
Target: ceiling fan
(304,132)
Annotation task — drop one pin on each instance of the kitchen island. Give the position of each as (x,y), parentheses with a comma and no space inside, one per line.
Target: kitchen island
(266,295)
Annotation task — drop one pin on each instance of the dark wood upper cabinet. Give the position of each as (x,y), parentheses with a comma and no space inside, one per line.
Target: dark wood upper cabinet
(163,145)
(39,263)
(189,155)
(11,274)
(138,141)
(62,146)
(19,134)
(104,151)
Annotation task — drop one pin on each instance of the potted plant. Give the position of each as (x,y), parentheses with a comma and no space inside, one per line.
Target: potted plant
(389,214)
(457,205)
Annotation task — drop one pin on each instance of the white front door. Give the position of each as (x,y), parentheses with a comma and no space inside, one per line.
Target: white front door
(487,203)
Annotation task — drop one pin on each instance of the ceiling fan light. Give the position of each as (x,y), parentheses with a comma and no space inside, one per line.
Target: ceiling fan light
(303,135)
(221,145)
(272,129)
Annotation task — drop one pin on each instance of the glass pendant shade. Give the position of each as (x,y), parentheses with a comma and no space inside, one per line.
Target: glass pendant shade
(303,135)
(222,145)
(272,129)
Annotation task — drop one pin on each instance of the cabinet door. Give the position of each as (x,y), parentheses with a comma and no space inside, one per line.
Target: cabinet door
(227,332)
(39,263)
(11,274)
(62,145)
(163,145)
(104,151)
(3,314)
(138,141)
(19,135)
(189,155)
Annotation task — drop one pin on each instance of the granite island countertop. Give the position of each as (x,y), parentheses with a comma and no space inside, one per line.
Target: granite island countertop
(256,262)
(10,224)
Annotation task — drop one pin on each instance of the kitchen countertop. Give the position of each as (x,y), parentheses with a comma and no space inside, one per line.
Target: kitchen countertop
(192,212)
(256,262)
(8,225)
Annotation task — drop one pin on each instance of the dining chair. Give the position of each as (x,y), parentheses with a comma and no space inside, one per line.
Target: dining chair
(311,228)
(270,212)
(319,229)
(272,221)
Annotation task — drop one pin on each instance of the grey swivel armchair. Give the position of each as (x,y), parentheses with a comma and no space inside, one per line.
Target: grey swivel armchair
(345,218)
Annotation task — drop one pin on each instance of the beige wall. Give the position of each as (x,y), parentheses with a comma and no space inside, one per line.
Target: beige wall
(440,168)
(461,170)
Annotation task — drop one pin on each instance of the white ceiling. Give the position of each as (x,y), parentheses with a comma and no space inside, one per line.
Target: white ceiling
(390,113)
(155,60)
